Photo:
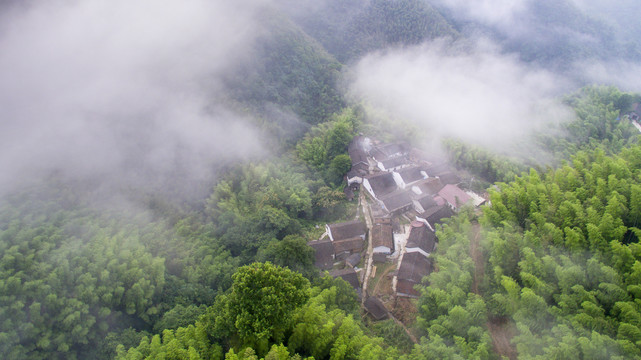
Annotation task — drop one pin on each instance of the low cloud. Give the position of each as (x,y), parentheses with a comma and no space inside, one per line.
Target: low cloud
(473,93)
(126,91)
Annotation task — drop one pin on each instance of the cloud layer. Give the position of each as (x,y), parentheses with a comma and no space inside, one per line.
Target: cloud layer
(477,94)
(121,89)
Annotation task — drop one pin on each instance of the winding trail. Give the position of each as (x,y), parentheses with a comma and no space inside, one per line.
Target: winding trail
(501,330)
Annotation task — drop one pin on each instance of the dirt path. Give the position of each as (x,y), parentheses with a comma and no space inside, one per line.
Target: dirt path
(501,330)
(407,331)
(369,261)
(475,253)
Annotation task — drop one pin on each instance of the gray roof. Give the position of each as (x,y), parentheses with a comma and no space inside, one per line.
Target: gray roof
(390,150)
(391,163)
(353,259)
(382,233)
(348,275)
(411,174)
(323,253)
(356,151)
(426,202)
(430,186)
(421,237)
(347,230)
(382,183)
(435,215)
(414,267)
(375,307)
(397,200)
(354,244)
(449,178)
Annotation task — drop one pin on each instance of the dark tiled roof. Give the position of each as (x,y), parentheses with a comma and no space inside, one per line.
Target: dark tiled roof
(397,201)
(347,230)
(384,151)
(435,215)
(356,151)
(391,163)
(323,253)
(406,287)
(414,267)
(426,202)
(348,275)
(350,245)
(382,183)
(376,308)
(430,186)
(421,237)
(353,259)
(438,169)
(411,174)
(454,195)
(382,233)
(449,178)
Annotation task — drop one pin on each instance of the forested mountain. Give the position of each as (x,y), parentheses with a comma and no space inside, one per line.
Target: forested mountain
(166,165)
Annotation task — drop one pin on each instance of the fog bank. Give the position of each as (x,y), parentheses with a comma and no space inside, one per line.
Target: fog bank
(126,91)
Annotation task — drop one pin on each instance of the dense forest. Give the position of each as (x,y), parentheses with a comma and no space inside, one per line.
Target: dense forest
(218,266)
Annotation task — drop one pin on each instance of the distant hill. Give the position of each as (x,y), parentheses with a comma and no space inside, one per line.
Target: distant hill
(349,29)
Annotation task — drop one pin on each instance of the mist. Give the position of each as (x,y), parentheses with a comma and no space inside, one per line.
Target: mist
(470,92)
(126,92)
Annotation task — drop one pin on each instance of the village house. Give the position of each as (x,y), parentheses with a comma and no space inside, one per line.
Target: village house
(392,164)
(357,150)
(323,253)
(397,203)
(346,230)
(414,267)
(353,260)
(375,308)
(420,239)
(429,186)
(379,185)
(348,275)
(344,248)
(454,196)
(382,239)
(387,151)
(435,215)
(423,203)
(408,176)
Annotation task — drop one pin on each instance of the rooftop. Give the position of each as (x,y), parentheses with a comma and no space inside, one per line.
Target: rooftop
(411,174)
(382,233)
(323,253)
(347,230)
(382,183)
(435,215)
(426,202)
(414,267)
(375,307)
(354,244)
(390,163)
(430,186)
(357,150)
(454,195)
(421,237)
(348,275)
(397,200)
(384,151)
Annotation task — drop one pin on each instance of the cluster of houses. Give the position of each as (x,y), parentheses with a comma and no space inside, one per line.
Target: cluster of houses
(401,182)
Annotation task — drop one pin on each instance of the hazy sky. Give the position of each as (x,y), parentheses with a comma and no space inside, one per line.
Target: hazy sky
(121,89)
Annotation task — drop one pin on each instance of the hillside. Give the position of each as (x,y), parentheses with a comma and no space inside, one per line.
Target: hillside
(168,170)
